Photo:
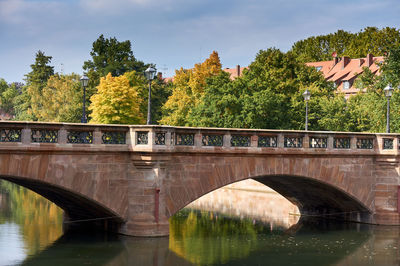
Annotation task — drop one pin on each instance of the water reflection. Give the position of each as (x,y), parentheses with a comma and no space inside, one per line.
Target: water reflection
(27,237)
(39,220)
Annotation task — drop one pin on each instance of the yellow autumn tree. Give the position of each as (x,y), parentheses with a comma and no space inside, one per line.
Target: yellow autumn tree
(116,101)
(188,88)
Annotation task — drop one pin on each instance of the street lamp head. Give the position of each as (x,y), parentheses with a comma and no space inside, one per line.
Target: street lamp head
(84,80)
(388,91)
(307,95)
(150,73)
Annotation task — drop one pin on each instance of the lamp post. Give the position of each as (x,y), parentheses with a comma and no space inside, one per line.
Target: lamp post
(388,93)
(307,96)
(150,74)
(84,81)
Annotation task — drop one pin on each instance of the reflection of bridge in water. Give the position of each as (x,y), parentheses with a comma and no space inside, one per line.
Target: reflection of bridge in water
(136,177)
(266,205)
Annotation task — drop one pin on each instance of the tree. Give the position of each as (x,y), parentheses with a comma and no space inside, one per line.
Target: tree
(61,99)
(160,91)
(391,67)
(320,48)
(355,45)
(8,98)
(373,41)
(116,101)
(30,100)
(110,56)
(188,88)
(267,95)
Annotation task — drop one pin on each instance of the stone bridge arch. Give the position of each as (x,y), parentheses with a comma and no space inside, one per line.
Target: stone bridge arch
(69,182)
(318,186)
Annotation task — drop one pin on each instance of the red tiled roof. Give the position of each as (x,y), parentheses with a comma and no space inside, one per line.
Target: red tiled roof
(235,72)
(347,69)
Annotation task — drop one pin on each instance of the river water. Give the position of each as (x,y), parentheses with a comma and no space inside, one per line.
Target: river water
(31,233)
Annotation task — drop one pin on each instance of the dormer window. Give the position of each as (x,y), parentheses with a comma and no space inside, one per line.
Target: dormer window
(346,84)
(318,68)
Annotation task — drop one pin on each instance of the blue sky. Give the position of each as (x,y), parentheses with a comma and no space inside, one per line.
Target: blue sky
(173,33)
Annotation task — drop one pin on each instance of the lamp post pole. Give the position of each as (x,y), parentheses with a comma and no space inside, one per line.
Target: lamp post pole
(388,93)
(149,105)
(84,81)
(150,74)
(307,96)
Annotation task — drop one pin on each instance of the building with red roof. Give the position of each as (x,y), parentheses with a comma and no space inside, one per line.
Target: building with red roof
(343,71)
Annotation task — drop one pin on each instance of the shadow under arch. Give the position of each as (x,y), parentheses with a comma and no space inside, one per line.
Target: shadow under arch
(77,207)
(316,198)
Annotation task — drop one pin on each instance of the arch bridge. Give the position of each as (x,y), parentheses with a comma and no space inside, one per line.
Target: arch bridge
(136,177)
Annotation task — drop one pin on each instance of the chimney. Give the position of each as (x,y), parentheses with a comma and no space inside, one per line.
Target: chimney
(361,61)
(335,60)
(370,59)
(238,70)
(345,61)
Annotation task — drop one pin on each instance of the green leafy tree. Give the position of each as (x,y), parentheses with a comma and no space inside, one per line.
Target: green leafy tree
(373,41)
(160,91)
(8,98)
(355,45)
(117,101)
(391,67)
(320,48)
(30,100)
(61,99)
(110,56)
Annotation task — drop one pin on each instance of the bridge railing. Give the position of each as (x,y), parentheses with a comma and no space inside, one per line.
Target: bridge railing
(186,139)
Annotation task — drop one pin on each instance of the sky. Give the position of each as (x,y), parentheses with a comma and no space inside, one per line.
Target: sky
(173,33)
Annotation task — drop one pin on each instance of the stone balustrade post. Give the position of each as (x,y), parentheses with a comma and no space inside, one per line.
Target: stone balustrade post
(330,142)
(26,136)
(62,136)
(97,136)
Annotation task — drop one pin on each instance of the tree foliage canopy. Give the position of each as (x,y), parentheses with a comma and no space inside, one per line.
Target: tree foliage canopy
(189,85)
(61,99)
(29,102)
(117,101)
(267,95)
(355,45)
(110,56)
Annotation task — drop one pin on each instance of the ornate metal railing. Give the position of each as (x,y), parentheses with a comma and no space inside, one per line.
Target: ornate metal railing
(341,143)
(293,142)
(318,142)
(184,139)
(387,144)
(10,135)
(113,137)
(44,136)
(160,138)
(267,141)
(365,143)
(212,140)
(240,141)
(166,138)
(80,137)
(142,138)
